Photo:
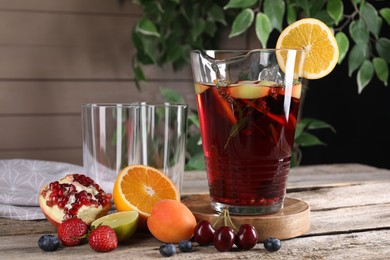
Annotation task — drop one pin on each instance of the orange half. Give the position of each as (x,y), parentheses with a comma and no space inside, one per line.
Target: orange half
(140,187)
(312,35)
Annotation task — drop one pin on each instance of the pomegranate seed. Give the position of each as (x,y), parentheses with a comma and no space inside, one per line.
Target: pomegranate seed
(61,205)
(72,188)
(73,212)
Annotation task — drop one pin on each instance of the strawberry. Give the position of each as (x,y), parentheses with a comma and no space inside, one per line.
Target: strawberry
(103,239)
(72,231)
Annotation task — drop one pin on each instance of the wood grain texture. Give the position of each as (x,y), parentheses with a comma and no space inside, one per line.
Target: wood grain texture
(86,6)
(352,230)
(346,221)
(64,97)
(56,55)
(292,221)
(360,245)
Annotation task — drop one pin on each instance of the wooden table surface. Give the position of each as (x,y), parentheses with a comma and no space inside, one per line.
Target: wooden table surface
(350,219)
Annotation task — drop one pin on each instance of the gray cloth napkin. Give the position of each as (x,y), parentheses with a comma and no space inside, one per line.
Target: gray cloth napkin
(21,181)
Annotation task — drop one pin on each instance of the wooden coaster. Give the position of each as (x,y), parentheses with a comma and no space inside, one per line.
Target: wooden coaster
(292,221)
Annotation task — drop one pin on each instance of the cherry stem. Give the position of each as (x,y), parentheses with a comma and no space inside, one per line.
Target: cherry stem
(225,217)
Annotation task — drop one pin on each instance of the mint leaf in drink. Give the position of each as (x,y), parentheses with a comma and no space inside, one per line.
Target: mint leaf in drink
(236,128)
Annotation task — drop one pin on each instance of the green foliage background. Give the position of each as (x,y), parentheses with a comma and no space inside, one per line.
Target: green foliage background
(170,28)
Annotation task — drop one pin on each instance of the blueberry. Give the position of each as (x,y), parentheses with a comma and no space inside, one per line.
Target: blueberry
(185,246)
(167,250)
(48,243)
(272,244)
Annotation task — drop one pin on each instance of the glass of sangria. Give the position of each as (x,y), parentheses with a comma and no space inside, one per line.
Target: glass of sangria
(248,103)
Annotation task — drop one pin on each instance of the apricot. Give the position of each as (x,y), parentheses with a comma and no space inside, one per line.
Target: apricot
(171,221)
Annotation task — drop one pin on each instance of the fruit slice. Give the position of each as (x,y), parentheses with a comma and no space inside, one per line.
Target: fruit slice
(199,88)
(297,90)
(250,90)
(322,52)
(139,187)
(124,223)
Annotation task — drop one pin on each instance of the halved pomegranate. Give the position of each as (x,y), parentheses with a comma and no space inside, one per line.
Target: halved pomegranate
(75,195)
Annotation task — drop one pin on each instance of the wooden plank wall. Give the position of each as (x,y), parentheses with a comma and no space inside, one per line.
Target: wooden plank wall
(56,55)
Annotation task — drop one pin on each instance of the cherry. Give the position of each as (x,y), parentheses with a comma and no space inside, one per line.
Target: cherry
(204,233)
(223,238)
(246,237)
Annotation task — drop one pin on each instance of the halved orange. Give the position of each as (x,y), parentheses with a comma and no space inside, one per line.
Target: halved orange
(139,187)
(322,52)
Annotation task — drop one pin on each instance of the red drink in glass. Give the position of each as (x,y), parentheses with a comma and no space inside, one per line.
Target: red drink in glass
(248,103)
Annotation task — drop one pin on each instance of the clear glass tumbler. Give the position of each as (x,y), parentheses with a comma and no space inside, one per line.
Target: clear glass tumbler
(110,140)
(163,131)
(118,135)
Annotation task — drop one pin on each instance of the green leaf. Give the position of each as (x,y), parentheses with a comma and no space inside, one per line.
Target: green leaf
(211,28)
(147,27)
(383,48)
(198,27)
(343,43)
(316,6)
(149,48)
(138,73)
(364,76)
(196,162)
(385,12)
(173,53)
(312,124)
(275,12)
(379,24)
(236,128)
(356,57)
(359,32)
(171,95)
(381,69)
(325,17)
(240,4)
(242,22)
(193,146)
(216,14)
(305,5)
(291,13)
(362,2)
(263,28)
(194,119)
(335,9)
(370,16)
(306,139)
(299,128)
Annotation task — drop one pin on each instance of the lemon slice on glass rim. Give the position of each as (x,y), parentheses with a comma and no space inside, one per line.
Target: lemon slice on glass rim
(319,43)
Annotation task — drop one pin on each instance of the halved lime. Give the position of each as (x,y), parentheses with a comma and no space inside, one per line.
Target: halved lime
(124,223)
